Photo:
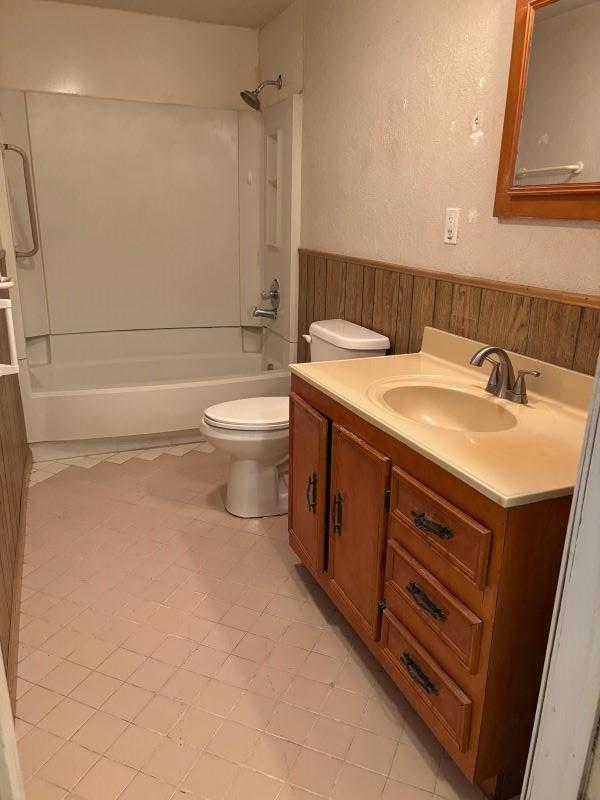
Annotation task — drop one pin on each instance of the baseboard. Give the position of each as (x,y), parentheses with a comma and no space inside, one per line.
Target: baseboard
(51,451)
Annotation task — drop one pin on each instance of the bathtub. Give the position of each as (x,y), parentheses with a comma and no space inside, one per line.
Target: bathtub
(134,396)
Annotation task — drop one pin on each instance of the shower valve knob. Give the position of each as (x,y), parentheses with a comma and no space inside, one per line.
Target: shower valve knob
(272,294)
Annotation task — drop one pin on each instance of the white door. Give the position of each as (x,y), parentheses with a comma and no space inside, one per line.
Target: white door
(283,159)
(11,777)
(568,706)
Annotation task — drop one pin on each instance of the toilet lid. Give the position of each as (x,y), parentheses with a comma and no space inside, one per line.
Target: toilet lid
(251,414)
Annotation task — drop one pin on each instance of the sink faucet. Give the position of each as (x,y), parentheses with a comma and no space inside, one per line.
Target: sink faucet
(502,382)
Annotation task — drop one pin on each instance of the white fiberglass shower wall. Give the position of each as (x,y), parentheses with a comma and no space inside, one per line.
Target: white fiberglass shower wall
(139,279)
(137,312)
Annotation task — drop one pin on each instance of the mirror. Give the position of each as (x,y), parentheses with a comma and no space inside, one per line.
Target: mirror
(550,154)
(560,127)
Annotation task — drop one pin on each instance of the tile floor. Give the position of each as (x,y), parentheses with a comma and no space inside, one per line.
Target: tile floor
(42,470)
(170,651)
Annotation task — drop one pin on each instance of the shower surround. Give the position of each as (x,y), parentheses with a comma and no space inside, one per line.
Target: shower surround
(137,313)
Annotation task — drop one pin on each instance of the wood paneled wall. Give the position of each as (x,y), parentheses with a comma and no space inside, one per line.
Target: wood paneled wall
(559,327)
(14,475)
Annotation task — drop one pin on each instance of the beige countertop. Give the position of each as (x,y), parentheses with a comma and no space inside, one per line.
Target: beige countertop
(536,458)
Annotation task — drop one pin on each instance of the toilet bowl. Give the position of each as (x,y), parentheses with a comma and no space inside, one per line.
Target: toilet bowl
(254,431)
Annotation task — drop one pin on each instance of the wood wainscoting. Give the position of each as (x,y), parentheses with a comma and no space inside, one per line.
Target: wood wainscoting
(560,327)
(15,461)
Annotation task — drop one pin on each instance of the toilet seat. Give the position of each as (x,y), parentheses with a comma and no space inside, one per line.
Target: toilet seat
(250,414)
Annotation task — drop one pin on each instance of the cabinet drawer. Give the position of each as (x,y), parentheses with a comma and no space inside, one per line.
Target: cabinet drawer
(422,679)
(417,598)
(458,538)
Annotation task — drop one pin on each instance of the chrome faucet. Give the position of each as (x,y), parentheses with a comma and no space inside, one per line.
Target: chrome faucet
(265,313)
(502,382)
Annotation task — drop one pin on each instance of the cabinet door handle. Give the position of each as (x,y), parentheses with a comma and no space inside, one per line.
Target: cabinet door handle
(425,523)
(336,514)
(311,493)
(423,600)
(417,674)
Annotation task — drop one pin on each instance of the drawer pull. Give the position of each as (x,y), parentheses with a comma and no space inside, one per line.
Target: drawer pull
(425,602)
(417,674)
(311,493)
(424,523)
(336,514)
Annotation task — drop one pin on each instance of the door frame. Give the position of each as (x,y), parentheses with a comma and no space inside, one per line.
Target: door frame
(11,777)
(568,706)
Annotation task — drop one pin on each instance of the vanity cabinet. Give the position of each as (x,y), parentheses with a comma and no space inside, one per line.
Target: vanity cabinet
(359,481)
(451,592)
(309,436)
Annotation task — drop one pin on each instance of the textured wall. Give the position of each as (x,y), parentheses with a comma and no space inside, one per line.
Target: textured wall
(55,47)
(280,46)
(403,112)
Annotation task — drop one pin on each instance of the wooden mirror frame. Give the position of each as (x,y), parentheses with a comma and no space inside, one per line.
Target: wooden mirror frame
(552,201)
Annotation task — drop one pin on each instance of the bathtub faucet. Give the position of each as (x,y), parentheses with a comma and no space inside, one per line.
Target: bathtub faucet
(265,313)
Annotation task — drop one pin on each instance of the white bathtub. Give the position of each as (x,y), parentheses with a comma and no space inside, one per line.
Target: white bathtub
(134,396)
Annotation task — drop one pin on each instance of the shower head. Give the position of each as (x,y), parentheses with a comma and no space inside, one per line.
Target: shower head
(252,98)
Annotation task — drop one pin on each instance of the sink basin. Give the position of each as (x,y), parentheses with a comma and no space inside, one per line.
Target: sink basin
(446,407)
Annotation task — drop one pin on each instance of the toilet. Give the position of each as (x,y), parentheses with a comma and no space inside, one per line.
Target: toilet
(254,431)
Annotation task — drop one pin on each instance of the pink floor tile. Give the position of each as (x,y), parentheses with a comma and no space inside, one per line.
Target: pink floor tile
(172,651)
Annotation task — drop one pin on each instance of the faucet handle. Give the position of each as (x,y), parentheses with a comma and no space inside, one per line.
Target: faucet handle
(494,379)
(533,372)
(519,390)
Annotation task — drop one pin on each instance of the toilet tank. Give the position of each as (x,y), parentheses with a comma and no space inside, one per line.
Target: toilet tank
(335,339)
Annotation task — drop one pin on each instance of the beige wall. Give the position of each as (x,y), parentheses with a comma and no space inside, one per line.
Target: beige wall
(55,47)
(392,92)
(281,44)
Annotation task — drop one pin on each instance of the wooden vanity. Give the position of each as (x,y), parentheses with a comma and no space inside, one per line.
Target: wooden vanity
(452,592)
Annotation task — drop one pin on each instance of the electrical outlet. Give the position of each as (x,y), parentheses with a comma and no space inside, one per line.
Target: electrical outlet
(451,226)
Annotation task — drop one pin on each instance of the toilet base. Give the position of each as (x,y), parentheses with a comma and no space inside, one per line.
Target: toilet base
(256,489)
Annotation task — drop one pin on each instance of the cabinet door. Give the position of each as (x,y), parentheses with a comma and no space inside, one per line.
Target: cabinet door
(357,528)
(308,483)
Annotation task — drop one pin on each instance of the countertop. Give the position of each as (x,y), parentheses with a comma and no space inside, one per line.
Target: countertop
(536,459)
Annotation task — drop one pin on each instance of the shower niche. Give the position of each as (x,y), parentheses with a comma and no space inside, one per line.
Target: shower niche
(273,194)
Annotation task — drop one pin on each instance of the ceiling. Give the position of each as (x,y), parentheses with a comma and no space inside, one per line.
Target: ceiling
(248,13)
